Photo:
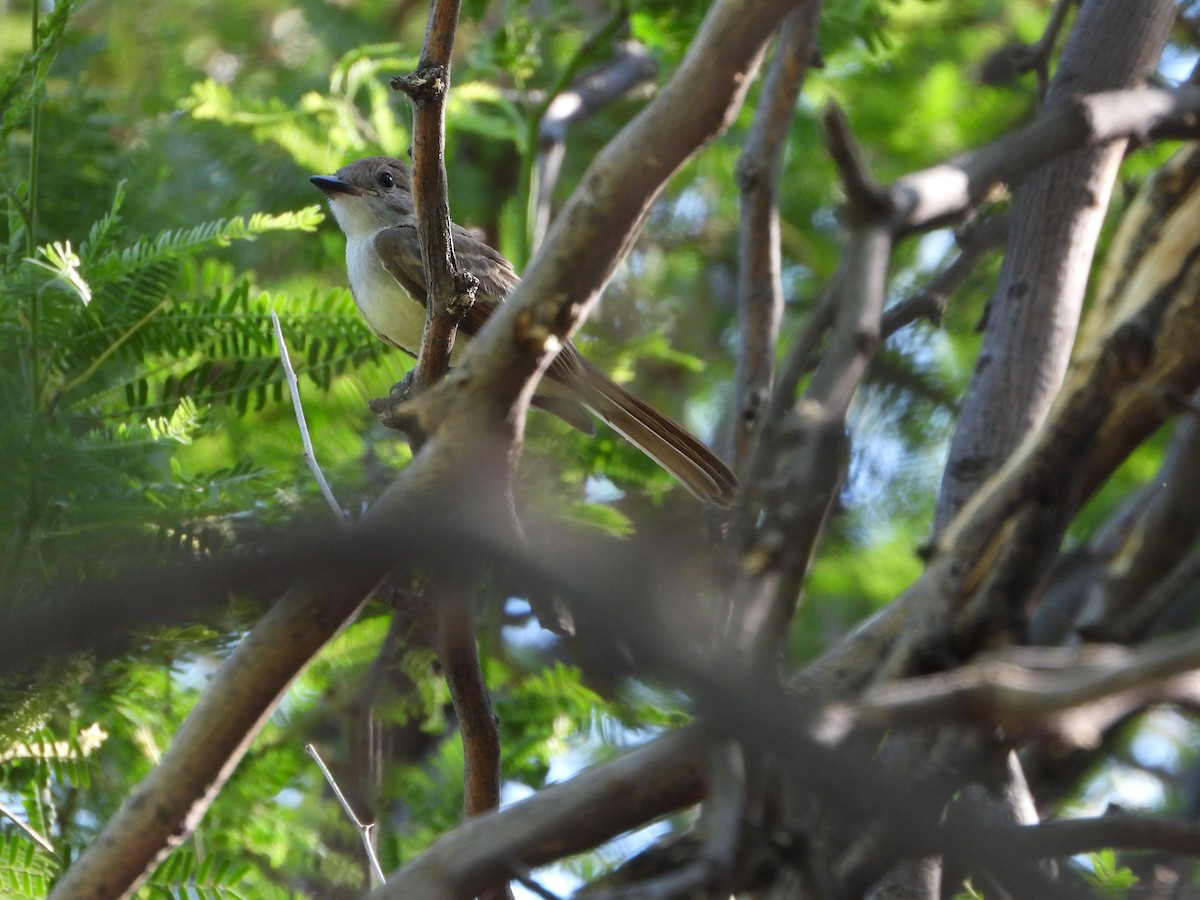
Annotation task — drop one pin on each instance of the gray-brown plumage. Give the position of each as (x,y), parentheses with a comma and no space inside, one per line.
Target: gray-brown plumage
(372,202)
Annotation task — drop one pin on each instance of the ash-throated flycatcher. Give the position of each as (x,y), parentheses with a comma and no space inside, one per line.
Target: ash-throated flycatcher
(372,202)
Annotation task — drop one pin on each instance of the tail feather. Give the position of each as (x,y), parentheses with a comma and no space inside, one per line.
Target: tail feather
(666,442)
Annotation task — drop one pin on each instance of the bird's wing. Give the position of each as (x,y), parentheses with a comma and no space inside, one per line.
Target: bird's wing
(399,249)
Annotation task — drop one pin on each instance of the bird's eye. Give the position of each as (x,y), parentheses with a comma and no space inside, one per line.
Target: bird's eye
(386,179)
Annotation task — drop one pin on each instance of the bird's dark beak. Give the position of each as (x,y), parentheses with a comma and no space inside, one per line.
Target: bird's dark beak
(332,185)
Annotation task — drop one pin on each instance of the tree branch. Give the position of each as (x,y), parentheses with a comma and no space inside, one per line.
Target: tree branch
(558,821)
(944,192)
(459,657)
(629,67)
(975,243)
(1072,694)
(865,197)
(451,292)
(800,457)
(760,293)
(1140,582)
(1057,214)
(1128,831)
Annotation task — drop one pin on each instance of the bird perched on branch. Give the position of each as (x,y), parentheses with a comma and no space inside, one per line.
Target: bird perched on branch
(372,201)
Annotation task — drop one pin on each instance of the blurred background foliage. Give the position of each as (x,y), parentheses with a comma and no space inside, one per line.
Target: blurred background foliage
(155,169)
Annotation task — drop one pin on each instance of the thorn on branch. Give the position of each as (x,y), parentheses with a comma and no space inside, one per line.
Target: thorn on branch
(364,829)
(422,86)
(310,456)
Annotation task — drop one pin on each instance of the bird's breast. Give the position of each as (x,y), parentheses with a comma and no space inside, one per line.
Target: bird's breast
(393,314)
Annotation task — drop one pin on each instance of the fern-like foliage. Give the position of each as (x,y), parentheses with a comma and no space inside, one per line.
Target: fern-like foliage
(26,869)
(184,875)
(140,420)
(133,347)
(142,310)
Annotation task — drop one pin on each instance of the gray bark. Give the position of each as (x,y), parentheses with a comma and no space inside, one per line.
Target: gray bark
(1058,211)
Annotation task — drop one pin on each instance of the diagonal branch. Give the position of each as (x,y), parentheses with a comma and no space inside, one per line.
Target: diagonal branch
(563,106)
(975,244)
(944,192)
(558,821)
(1071,694)
(599,223)
(797,464)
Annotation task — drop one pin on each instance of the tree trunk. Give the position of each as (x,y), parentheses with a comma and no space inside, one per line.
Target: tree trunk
(1032,316)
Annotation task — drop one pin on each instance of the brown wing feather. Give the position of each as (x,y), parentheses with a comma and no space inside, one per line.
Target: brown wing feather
(662,439)
(400,251)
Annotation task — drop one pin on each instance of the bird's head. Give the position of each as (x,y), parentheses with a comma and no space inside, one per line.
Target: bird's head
(368,194)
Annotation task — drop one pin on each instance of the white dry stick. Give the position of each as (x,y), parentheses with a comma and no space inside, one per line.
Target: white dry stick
(364,828)
(309,456)
(29,830)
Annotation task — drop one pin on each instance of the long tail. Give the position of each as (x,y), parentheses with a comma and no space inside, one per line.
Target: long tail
(666,442)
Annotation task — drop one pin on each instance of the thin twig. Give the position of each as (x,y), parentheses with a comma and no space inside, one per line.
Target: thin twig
(1040,52)
(310,457)
(1017,58)
(34,835)
(365,829)
(930,302)
(760,292)
(561,106)
(449,296)
(459,656)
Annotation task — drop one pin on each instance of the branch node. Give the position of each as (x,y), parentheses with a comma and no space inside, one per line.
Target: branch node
(424,85)
(396,412)
(465,287)
(866,198)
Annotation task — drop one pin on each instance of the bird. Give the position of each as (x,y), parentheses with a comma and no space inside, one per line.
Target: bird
(371,200)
